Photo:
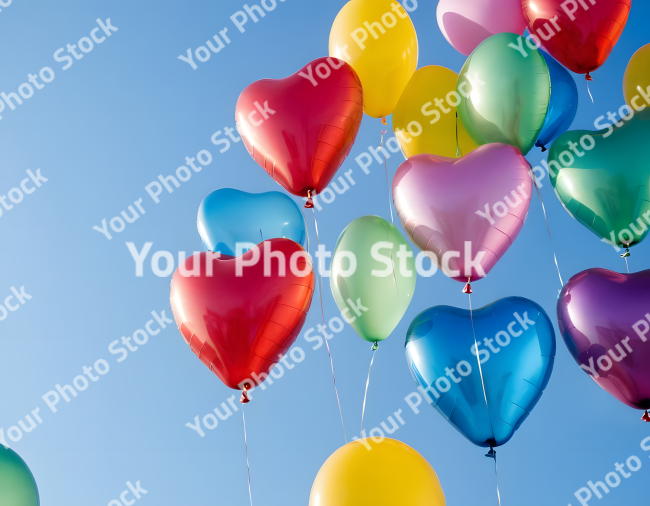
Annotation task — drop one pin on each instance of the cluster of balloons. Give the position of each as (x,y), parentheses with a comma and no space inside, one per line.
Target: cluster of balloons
(471,131)
(240,324)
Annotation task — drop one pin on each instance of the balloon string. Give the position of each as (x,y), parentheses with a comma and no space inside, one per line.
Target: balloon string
(320,289)
(387,184)
(557,266)
(496,475)
(250,495)
(492,453)
(590,95)
(478,358)
(365,396)
(626,265)
(306,229)
(458,153)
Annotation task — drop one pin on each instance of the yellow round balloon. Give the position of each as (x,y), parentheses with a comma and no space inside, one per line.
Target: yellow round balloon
(636,83)
(377,38)
(367,473)
(425,119)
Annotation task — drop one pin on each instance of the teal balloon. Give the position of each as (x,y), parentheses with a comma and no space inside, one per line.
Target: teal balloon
(606,188)
(382,284)
(17,483)
(504,89)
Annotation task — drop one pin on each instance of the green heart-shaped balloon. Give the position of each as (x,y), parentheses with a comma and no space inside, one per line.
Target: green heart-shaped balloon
(607,189)
(380,298)
(504,89)
(17,484)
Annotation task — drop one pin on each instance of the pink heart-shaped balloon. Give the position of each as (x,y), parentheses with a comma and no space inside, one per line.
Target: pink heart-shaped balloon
(466,212)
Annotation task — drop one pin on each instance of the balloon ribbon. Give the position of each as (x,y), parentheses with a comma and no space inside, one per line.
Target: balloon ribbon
(532,175)
(491,453)
(458,153)
(250,495)
(624,256)
(386,167)
(589,78)
(320,289)
(365,396)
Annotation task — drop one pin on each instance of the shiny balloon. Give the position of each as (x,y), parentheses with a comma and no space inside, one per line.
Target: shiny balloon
(504,94)
(516,347)
(301,129)
(17,483)
(378,39)
(636,82)
(467,23)
(563,106)
(578,34)
(425,119)
(228,217)
(367,274)
(607,188)
(371,473)
(240,324)
(460,211)
(603,317)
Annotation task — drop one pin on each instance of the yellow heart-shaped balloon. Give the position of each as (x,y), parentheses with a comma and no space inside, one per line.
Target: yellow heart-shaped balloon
(425,119)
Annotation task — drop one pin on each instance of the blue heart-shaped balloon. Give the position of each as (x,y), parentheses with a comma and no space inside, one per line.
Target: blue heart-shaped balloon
(516,345)
(228,216)
(563,106)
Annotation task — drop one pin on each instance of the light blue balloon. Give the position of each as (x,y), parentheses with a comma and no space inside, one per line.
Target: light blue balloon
(517,365)
(228,216)
(563,107)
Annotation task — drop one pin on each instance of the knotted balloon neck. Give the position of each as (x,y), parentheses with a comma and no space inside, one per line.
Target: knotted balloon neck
(540,145)
(383,121)
(646,417)
(492,454)
(588,77)
(244,399)
(375,346)
(468,286)
(310,203)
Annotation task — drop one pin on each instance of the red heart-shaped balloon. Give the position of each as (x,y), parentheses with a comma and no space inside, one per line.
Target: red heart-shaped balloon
(301,129)
(240,326)
(580,34)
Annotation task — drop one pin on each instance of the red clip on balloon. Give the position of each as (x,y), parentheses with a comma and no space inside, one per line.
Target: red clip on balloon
(301,129)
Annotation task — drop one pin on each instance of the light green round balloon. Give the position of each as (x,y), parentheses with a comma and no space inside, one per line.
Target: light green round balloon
(376,245)
(505,89)
(606,188)
(17,484)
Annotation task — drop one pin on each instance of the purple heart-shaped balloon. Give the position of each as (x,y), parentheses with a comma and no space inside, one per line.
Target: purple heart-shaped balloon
(466,212)
(604,318)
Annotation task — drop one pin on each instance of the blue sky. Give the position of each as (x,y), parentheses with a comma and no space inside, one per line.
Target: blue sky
(129,111)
